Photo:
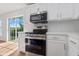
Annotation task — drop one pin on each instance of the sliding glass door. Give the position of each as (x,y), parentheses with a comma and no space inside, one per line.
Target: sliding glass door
(16,25)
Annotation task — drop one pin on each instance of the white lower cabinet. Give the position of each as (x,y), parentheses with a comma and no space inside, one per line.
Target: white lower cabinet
(56,45)
(73,47)
(21,41)
(55,48)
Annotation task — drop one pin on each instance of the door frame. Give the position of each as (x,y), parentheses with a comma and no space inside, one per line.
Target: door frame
(8,27)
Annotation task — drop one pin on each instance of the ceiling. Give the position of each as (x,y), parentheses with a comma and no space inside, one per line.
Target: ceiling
(8,7)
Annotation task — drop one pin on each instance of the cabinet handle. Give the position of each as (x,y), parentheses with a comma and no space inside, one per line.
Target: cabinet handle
(73,42)
(64,47)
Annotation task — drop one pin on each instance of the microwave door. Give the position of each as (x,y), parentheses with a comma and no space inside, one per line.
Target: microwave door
(35,17)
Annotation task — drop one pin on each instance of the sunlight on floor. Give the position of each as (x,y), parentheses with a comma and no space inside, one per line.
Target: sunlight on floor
(7,48)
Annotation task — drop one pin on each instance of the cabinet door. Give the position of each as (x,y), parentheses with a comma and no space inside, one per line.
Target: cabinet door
(52,11)
(76,10)
(55,48)
(38,7)
(66,11)
(21,42)
(73,47)
(34,8)
(43,6)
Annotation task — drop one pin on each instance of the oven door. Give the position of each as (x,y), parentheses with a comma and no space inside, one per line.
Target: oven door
(36,46)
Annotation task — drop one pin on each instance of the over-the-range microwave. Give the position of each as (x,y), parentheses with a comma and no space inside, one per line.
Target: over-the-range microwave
(41,17)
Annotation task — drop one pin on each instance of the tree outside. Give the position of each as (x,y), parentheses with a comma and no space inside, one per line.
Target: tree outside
(16,23)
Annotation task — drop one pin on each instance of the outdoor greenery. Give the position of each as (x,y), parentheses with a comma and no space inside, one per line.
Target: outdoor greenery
(19,28)
(13,29)
(12,33)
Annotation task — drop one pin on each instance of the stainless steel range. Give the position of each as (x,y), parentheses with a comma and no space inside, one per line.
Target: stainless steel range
(36,43)
(36,40)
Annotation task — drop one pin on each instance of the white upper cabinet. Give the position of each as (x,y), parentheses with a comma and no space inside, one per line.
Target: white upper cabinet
(34,8)
(56,11)
(52,11)
(43,6)
(66,11)
(76,10)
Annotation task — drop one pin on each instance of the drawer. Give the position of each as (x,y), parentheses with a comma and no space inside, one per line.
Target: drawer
(57,37)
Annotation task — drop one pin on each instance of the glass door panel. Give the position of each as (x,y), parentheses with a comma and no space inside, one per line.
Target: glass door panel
(15,25)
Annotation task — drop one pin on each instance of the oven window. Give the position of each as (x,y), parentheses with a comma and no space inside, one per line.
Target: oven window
(37,42)
(36,46)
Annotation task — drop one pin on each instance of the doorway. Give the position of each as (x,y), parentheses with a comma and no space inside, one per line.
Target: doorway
(15,25)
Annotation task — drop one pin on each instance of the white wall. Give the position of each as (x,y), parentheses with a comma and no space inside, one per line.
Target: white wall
(5,17)
(69,26)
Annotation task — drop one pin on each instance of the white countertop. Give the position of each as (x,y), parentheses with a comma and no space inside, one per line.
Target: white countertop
(35,38)
(73,35)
